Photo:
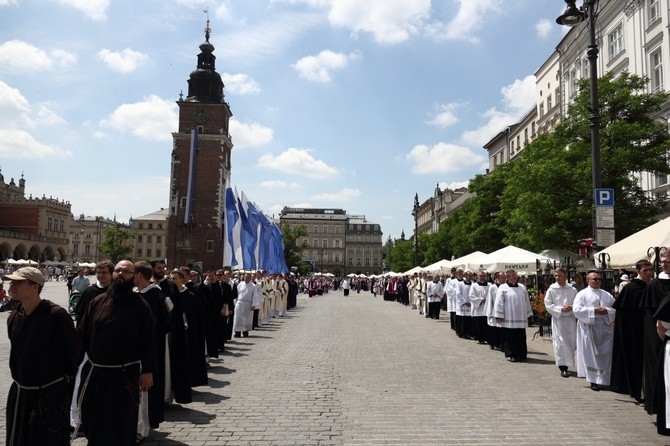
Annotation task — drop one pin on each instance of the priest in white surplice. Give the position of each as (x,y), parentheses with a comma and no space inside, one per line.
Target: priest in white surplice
(558,301)
(595,332)
(512,310)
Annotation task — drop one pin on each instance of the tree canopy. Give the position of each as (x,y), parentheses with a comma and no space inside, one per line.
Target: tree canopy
(115,244)
(544,199)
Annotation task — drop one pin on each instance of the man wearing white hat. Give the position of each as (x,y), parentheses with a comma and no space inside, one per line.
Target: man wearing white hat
(45,352)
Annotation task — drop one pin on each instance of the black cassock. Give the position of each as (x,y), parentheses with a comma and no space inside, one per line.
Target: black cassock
(628,349)
(663,314)
(229,294)
(156,299)
(116,332)
(187,349)
(651,299)
(210,297)
(44,349)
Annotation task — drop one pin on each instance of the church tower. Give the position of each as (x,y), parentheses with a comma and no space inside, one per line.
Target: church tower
(200,168)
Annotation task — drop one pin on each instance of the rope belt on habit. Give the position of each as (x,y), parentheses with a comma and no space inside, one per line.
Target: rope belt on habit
(85,384)
(19,388)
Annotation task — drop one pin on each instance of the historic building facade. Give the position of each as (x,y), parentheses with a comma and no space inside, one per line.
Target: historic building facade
(200,168)
(150,235)
(337,243)
(32,228)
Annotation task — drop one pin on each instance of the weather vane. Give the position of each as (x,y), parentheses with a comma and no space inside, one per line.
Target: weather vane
(207,28)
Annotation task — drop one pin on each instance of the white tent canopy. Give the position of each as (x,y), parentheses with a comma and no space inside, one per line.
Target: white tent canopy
(581,263)
(466,260)
(509,257)
(436,267)
(410,272)
(626,252)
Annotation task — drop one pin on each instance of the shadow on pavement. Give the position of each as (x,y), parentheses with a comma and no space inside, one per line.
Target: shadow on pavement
(216,384)
(220,370)
(160,439)
(207,398)
(180,413)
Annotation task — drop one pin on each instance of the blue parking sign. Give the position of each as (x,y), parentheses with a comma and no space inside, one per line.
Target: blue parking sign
(604,197)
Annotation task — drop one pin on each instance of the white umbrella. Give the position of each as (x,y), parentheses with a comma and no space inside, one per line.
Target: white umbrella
(626,252)
(509,257)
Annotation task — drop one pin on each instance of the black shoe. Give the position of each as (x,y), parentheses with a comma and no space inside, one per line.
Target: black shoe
(236,335)
(595,387)
(565,374)
(245,334)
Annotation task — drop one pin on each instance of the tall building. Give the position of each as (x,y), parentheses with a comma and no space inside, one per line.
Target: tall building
(32,228)
(86,234)
(200,168)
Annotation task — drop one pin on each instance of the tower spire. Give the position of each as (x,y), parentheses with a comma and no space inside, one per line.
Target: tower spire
(207,28)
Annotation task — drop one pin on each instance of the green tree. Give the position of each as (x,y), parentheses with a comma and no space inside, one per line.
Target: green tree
(548,197)
(115,244)
(293,249)
(401,256)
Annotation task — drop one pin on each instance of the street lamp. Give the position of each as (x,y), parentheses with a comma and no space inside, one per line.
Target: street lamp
(415,213)
(571,17)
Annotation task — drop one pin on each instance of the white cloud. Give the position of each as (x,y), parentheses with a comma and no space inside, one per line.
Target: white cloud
(94,9)
(47,116)
(18,144)
(8,2)
(441,158)
(278,184)
(64,58)
(518,98)
(318,68)
(343,196)
(455,184)
(250,135)
(298,162)
(23,56)
(267,39)
(124,61)
(389,21)
(240,84)
(154,119)
(544,27)
(14,107)
(469,18)
(446,115)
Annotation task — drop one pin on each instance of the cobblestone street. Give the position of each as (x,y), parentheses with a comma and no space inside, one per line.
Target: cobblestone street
(361,371)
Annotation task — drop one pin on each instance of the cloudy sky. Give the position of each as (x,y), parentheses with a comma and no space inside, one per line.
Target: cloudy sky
(337,103)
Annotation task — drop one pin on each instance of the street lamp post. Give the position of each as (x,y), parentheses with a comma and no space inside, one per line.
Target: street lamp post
(415,213)
(571,17)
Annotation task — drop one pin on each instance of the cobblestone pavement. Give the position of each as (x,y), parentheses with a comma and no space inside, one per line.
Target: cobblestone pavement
(361,371)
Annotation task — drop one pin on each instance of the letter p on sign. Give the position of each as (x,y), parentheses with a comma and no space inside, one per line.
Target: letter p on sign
(604,197)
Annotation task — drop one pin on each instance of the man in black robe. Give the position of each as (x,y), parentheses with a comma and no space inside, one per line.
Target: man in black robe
(651,299)
(628,347)
(209,293)
(159,277)
(103,276)
(44,355)
(117,333)
(228,296)
(154,296)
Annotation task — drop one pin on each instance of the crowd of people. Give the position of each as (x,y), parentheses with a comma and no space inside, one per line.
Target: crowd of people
(143,339)
(617,343)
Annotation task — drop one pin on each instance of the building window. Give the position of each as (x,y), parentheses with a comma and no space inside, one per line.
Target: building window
(159,252)
(541,114)
(87,249)
(148,239)
(315,243)
(337,229)
(324,230)
(159,239)
(139,252)
(657,71)
(49,223)
(141,226)
(151,226)
(324,243)
(337,243)
(549,102)
(148,252)
(532,129)
(350,261)
(315,229)
(75,249)
(654,11)
(615,40)
(574,83)
(525,136)
(210,245)
(367,261)
(139,238)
